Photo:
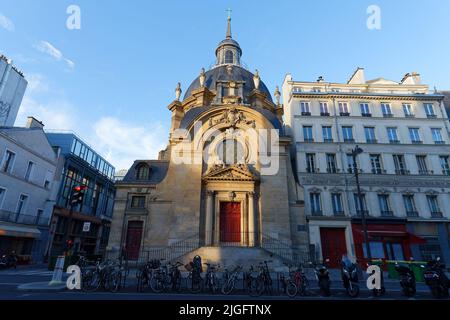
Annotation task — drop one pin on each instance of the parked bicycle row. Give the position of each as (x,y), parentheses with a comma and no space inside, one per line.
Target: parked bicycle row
(158,276)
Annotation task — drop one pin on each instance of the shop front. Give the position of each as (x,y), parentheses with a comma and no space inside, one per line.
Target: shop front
(389,240)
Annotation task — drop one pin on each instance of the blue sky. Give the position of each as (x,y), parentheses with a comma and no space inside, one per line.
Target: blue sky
(111,81)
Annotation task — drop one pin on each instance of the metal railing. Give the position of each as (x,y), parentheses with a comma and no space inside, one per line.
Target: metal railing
(8,216)
(283,250)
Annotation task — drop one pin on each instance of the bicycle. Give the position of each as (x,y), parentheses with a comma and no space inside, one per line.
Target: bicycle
(230,280)
(300,280)
(97,277)
(144,274)
(194,281)
(118,273)
(168,276)
(264,280)
(250,282)
(211,281)
(288,285)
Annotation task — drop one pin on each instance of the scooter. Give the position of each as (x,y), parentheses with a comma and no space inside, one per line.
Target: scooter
(323,278)
(436,279)
(349,273)
(407,279)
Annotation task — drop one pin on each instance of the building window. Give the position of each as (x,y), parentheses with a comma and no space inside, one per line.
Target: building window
(343,109)
(429,110)
(408,110)
(392,135)
(327,134)
(324,109)
(2,196)
(365,109)
(314,198)
(138,202)
(22,204)
(331,163)
(8,161)
(370,134)
(229,57)
(347,133)
(410,205)
(304,108)
(142,172)
(414,134)
(48,179)
(386,110)
(363,205)
(39,215)
(422,164)
(445,165)
(400,164)
(336,200)
(350,164)
(308,134)
(375,162)
(434,206)
(437,135)
(29,170)
(385,209)
(310,162)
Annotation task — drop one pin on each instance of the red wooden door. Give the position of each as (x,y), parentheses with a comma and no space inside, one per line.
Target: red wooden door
(134,237)
(230,222)
(333,245)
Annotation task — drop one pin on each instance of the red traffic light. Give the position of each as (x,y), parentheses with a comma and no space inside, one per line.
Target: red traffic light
(79,188)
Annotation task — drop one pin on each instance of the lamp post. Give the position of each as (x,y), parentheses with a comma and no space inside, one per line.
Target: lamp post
(355,153)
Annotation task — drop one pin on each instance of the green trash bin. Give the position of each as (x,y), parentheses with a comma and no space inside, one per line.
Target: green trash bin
(392,273)
(417,268)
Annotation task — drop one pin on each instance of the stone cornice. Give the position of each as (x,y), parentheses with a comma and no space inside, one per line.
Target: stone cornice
(362,95)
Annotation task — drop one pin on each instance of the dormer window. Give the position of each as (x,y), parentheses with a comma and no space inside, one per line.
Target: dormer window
(229,57)
(142,171)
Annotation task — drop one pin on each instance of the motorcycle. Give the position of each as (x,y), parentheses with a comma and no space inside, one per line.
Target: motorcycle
(436,279)
(7,262)
(407,279)
(349,273)
(323,278)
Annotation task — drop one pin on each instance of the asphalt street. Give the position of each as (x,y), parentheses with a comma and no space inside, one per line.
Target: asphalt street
(10,279)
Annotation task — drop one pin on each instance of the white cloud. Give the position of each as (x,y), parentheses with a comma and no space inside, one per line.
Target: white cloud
(121,143)
(49,49)
(36,83)
(6,23)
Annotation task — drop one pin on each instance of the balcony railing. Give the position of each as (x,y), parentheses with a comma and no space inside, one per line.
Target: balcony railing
(446,172)
(306,113)
(425,172)
(439,142)
(8,216)
(344,114)
(328,140)
(371,141)
(316,212)
(366,114)
(325,114)
(312,170)
(436,214)
(378,171)
(410,115)
(308,140)
(387,213)
(394,141)
(402,172)
(412,213)
(431,116)
(388,115)
(417,142)
(351,140)
(332,170)
(359,213)
(339,213)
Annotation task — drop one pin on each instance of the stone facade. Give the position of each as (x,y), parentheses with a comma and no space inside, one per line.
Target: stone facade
(224,185)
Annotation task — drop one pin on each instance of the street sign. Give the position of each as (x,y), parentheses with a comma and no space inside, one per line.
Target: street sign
(86,227)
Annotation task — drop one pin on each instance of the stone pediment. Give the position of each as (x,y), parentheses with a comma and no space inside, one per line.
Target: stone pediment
(236,172)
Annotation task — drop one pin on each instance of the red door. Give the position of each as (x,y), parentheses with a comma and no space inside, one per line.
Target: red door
(134,237)
(230,222)
(333,245)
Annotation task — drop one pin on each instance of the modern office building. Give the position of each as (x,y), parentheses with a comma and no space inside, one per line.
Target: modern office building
(27,190)
(79,164)
(403,130)
(12,89)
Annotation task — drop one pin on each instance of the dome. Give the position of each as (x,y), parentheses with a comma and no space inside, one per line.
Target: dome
(220,73)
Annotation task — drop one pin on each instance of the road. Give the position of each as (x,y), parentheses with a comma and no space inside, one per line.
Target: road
(10,279)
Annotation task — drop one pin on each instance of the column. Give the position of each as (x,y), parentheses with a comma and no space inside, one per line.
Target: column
(209,218)
(251,220)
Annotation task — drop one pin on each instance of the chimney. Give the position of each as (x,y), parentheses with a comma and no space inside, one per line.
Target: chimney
(33,123)
(412,78)
(358,77)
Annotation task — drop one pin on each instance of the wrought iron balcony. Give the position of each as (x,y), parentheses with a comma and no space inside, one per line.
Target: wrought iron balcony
(426,172)
(402,172)
(344,114)
(436,214)
(411,115)
(366,114)
(325,114)
(359,213)
(388,115)
(378,171)
(332,170)
(412,213)
(339,213)
(306,113)
(371,141)
(328,140)
(351,140)
(394,141)
(431,116)
(316,212)
(417,142)
(308,140)
(439,142)
(387,213)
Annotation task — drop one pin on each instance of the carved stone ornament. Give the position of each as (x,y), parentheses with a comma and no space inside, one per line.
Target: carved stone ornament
(232,118)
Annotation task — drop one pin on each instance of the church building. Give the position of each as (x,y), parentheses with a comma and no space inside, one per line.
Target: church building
(224,187)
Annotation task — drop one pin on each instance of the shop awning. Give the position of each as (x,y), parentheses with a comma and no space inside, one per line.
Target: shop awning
(19,231)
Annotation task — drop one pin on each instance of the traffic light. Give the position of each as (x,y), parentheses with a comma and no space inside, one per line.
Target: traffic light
(69,244)
(77,195)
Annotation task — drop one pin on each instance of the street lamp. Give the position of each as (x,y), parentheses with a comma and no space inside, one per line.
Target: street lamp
(355,153)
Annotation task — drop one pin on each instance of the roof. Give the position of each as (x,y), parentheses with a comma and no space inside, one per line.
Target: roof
(220,73)
(158,171)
